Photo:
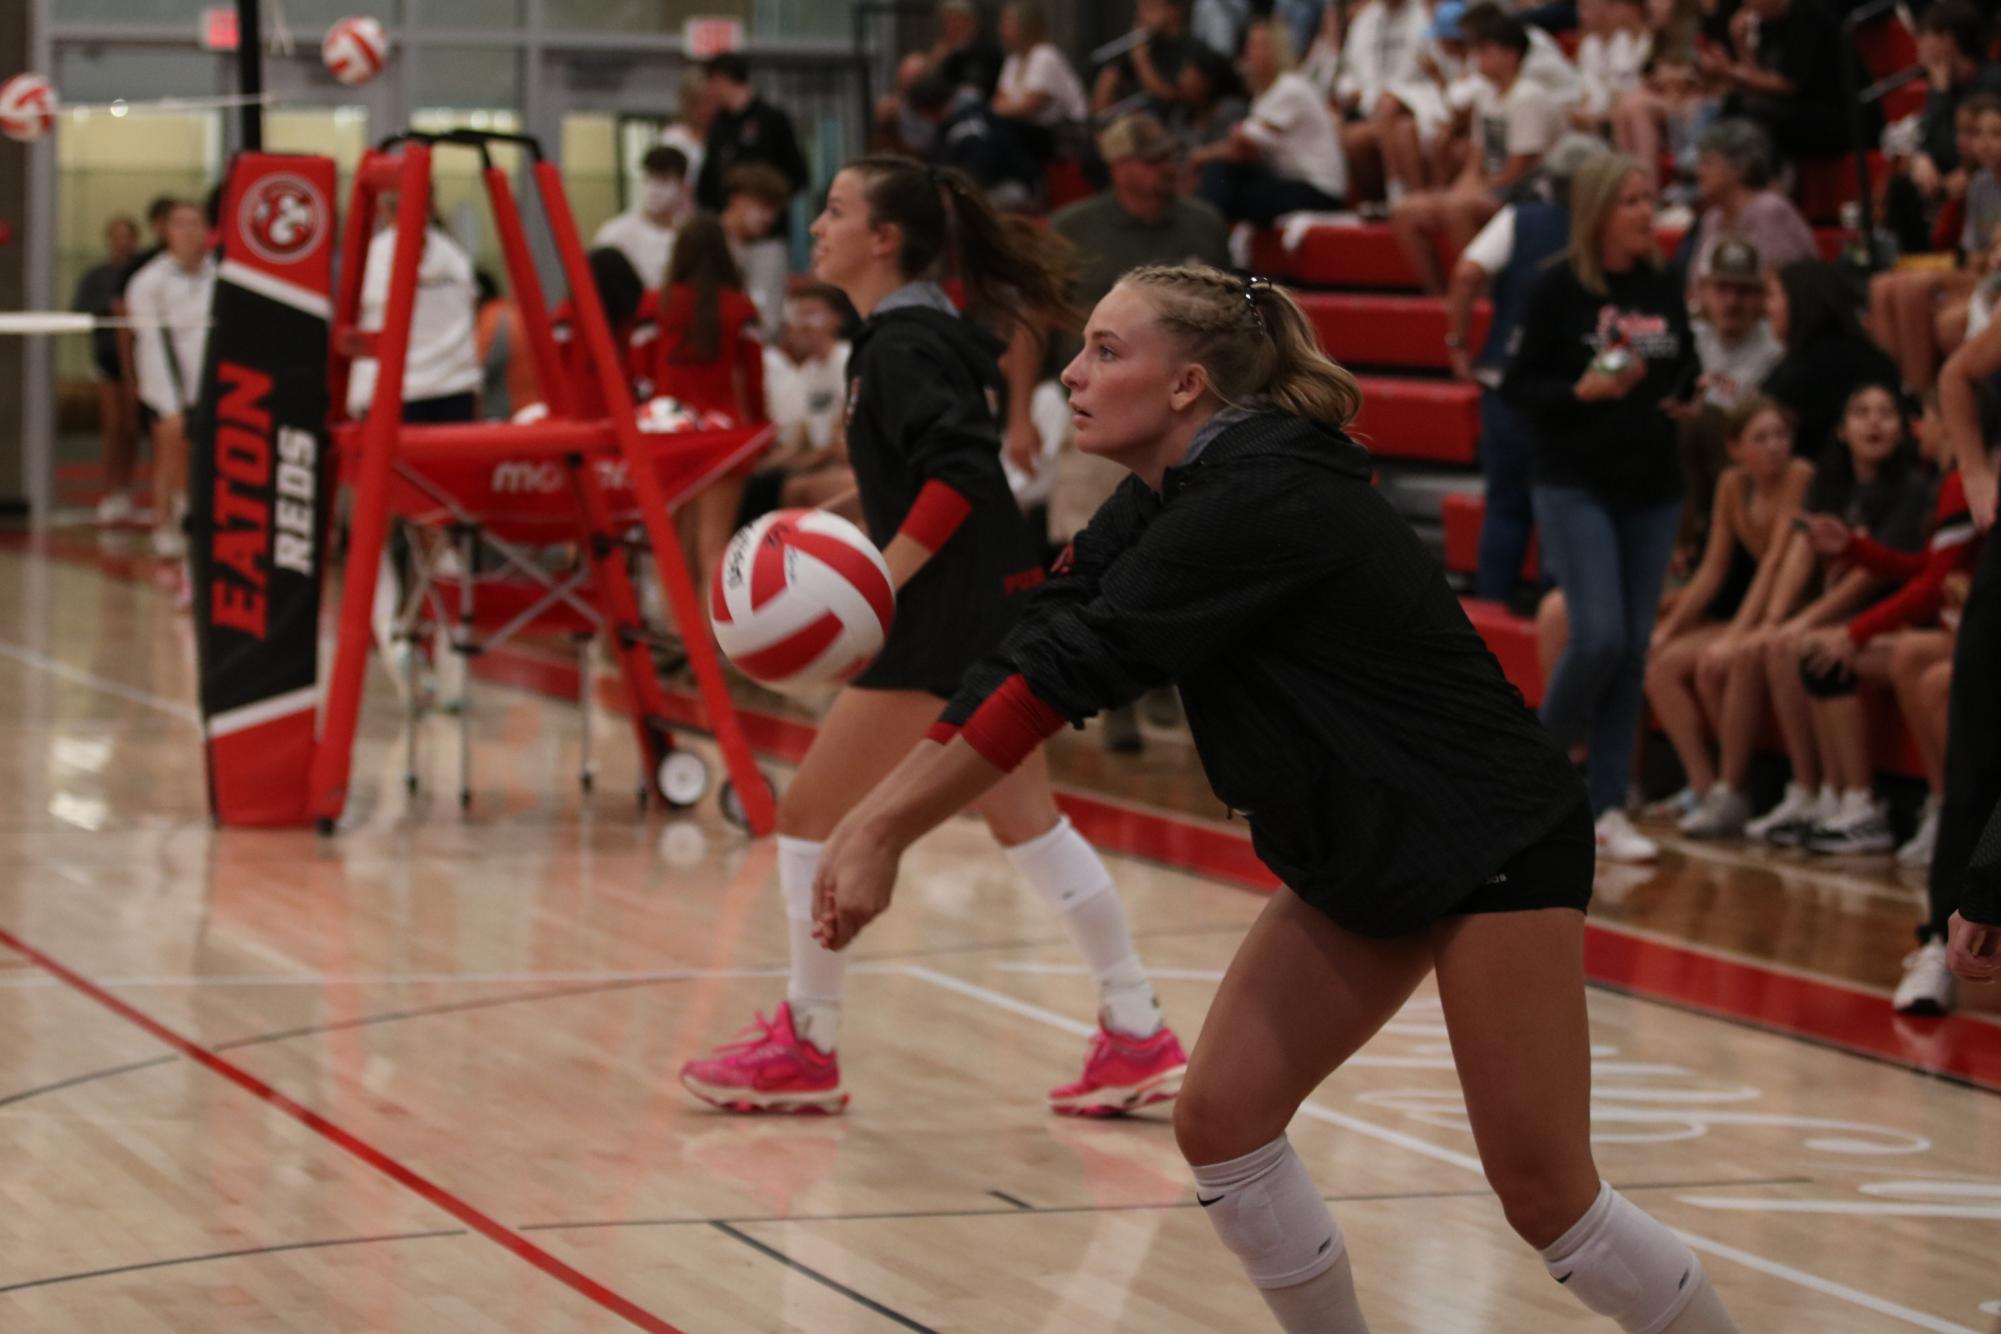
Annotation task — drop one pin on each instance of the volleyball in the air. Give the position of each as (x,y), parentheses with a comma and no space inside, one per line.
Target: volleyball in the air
(354,49)
(801,598)
(27,107)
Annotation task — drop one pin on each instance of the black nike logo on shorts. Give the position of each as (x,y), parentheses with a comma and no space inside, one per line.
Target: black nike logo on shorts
(1205,1203)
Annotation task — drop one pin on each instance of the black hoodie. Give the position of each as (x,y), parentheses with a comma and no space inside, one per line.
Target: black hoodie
(924,389)
(1335,689)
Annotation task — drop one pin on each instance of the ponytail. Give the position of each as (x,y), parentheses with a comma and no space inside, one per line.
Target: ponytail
(1253,340)
(1008,265)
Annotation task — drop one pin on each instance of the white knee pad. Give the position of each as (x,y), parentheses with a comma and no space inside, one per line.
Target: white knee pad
(1061,867)
(1265,1208)
(798,863)
(1623,1263)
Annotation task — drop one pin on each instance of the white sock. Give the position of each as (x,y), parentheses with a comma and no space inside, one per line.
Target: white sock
(1067,873)
(1265,1208)
(1857,803)
(1622,1263)
(814,990)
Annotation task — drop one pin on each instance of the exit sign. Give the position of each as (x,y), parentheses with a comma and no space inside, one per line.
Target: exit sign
(702,38)
(218,28)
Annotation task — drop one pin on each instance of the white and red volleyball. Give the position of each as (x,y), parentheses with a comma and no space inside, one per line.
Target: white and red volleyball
(27,107)
(661,415)
(355,49)
(801,598)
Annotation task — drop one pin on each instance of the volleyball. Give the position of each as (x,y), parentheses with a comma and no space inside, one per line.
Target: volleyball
(801,598)
(27,107)
(355,49)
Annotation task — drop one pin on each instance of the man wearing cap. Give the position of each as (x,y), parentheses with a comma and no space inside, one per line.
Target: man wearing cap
(1733,341)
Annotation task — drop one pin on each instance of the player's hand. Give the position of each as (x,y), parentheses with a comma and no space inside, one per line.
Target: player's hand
(1973,951)
(1461,362)
(1825,650)
(856,878)
(1980,488)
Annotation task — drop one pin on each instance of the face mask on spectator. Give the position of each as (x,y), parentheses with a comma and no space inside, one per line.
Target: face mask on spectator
(660,195)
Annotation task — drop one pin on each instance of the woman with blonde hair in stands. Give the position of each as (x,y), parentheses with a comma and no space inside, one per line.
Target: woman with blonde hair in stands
(1604,343)
(1285,156)
(1418,816)
(925,450)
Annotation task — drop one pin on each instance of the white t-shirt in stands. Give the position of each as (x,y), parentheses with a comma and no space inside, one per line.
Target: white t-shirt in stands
(1292,123)
(643,241)
(1044,70)
(811,393)
(1525,120)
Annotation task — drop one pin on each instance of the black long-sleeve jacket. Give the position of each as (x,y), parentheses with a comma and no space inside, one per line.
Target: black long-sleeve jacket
(1336,691)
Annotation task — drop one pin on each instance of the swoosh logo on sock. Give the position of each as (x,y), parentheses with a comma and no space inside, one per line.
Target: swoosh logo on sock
(1324,1245)
(1684,1281)
(1205,1203)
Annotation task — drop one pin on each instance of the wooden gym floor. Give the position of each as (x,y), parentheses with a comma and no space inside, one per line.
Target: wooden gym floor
(419,1076)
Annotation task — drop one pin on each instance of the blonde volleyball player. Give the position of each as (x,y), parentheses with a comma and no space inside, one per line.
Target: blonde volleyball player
(1419,815)
(924,446)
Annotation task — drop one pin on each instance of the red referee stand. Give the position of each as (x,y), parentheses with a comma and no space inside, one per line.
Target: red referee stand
(619,480)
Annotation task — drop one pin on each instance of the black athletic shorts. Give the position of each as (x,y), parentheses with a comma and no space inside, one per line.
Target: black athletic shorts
(1555,871)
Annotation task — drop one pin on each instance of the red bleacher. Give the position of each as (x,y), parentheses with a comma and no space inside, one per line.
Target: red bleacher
(1407,332)
(1435,421)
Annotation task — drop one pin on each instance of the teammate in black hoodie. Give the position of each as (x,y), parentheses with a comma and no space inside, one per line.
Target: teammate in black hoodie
(925,449)
(1418,815)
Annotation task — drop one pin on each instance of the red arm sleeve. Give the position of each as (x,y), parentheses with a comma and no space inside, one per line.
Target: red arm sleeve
(936,515)
(1010,724)
(1917,601)
(1888,562)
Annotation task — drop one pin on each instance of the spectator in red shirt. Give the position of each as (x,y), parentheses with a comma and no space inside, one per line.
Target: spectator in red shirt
(709,359)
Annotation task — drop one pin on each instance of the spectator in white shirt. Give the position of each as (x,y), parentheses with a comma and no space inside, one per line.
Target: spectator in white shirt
(1379,58)
(805,391)
(645,232)
(1514,123)
(753,197)
(441,372)
(168,300)
(1039,96)
(1285,156)
(1611,56)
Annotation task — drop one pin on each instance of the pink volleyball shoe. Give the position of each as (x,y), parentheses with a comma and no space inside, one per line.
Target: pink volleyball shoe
(769,1068)
(1122,1074)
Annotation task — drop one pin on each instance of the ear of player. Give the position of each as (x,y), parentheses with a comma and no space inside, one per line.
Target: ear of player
(355,50)
(801,598)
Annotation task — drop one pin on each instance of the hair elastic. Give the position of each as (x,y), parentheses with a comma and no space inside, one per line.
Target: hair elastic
(1251,289)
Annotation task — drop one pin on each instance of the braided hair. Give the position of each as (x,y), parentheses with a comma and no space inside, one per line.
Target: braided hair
(1252,338)
(1008,265)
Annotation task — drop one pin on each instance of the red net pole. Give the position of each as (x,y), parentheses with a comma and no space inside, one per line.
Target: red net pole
(368,526)
(758,806)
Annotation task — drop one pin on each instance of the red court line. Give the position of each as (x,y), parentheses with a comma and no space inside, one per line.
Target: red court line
(368,1153)
(1818,1009)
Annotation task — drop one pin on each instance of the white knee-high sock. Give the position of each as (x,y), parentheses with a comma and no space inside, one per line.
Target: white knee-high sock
(1067,873)
(1265,1208)
(814,990)
(1622,1263)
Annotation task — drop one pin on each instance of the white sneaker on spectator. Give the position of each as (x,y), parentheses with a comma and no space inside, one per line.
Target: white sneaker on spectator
(169,544)
(1675,807)
(1918,852)
(1928,986)
(1786,822)
(1721,813)
(1618,841)
(116,508)
(1859,826)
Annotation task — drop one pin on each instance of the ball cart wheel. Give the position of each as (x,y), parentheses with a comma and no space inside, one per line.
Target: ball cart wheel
(683,779)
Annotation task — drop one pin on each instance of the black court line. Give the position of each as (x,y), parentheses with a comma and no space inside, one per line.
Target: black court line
(1020,1208)
(86,1078)
(820,1278)
(229,1255)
